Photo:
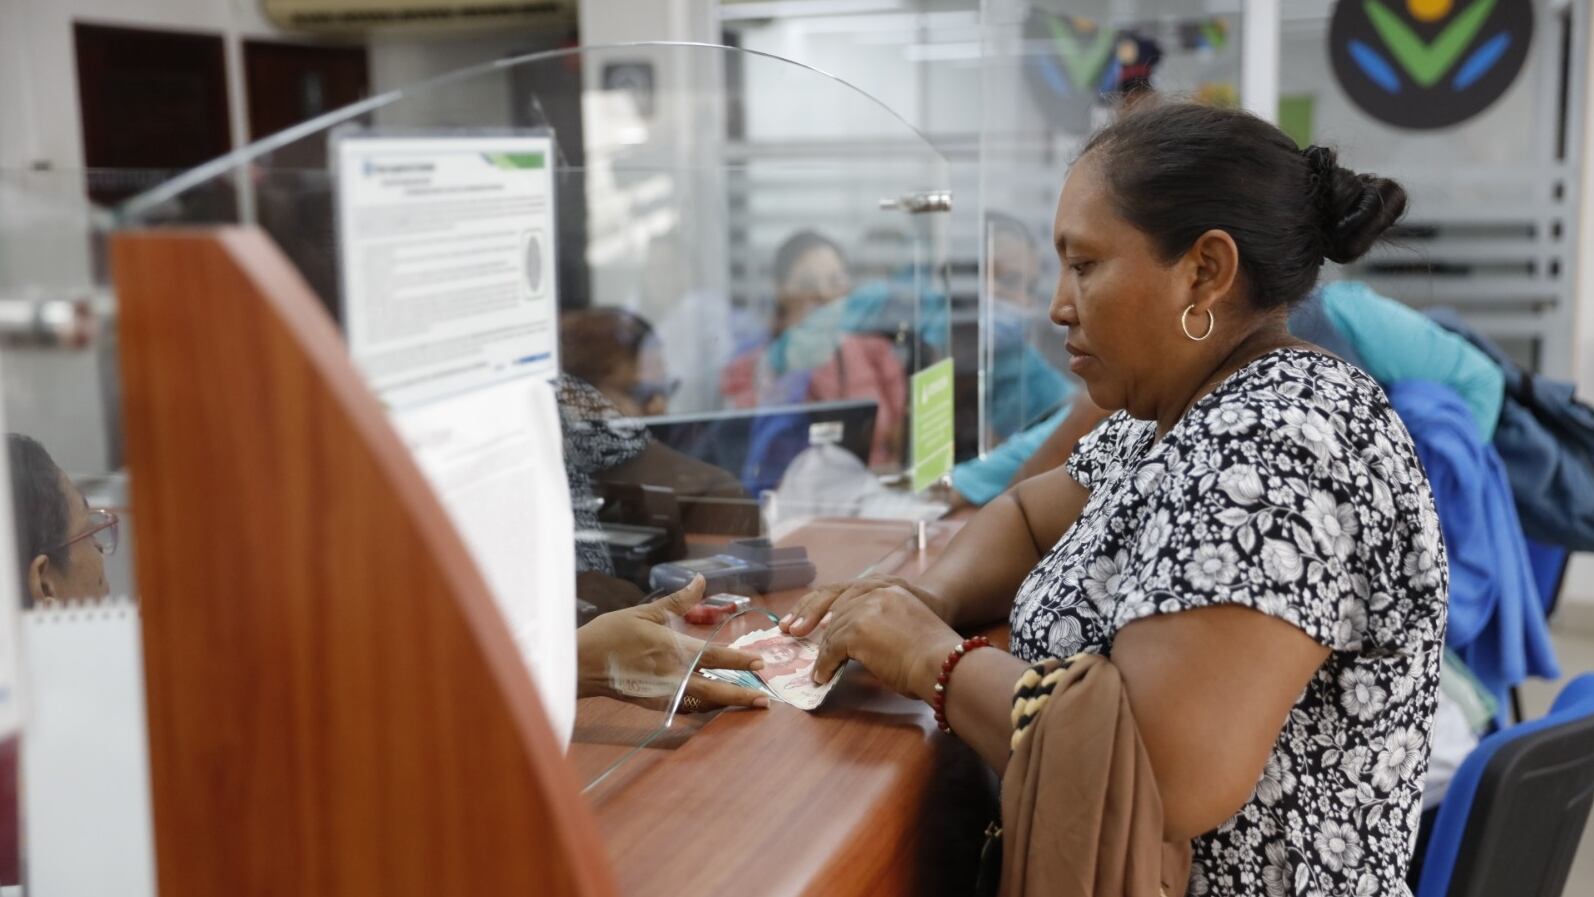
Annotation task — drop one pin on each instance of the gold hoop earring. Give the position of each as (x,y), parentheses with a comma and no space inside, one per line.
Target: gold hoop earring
(1184,323)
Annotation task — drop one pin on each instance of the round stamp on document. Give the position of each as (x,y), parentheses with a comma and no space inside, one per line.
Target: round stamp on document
(535,263)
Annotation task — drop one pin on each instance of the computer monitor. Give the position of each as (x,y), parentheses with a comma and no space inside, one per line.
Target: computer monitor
(757,445)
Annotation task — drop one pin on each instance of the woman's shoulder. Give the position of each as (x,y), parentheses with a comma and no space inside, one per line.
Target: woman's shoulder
(1307,411)
(1304,365)
(1295,387)
(1100,454)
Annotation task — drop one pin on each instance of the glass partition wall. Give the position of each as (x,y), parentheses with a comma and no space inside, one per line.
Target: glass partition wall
(737,325)
(1051,72)
(1491,227)
(747,262)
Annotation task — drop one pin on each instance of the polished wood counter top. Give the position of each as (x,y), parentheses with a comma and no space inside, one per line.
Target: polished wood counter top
(864,796)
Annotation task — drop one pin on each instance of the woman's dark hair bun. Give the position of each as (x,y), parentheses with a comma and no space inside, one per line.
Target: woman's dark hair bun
(1177,170)
(1355,209)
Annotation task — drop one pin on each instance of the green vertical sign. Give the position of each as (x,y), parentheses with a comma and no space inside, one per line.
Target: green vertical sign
(931,389)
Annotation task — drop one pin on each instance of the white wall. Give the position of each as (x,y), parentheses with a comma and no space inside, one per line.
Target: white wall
(935,87)
(656,187)
(401,61)
(16,86)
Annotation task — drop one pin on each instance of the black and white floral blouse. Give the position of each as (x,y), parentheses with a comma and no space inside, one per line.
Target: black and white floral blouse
(1292,489)
(596,439)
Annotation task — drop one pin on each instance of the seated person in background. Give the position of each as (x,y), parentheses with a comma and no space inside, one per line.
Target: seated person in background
(1023,387)
(622,353)
(61,547)
(1040,448)
(61,541)
(595,440)
(603,443)
(617,352)
(814,354)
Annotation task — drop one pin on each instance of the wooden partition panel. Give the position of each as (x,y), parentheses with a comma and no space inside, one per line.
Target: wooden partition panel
(335,704)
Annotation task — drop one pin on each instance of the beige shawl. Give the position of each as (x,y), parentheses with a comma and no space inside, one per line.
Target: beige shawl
(1081,813)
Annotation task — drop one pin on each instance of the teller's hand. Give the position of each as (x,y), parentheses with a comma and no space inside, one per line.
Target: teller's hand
(634,655)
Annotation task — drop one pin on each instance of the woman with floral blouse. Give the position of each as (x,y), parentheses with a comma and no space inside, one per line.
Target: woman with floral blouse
(1250,538)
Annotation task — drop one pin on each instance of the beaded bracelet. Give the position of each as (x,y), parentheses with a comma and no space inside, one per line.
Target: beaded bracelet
(939,701)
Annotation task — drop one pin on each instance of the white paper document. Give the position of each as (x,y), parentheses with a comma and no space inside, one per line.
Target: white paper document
(494,457)
(447,257)
(85,764)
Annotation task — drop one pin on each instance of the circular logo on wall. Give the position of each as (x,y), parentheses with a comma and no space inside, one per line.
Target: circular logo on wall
(1069,62)
(1426,64)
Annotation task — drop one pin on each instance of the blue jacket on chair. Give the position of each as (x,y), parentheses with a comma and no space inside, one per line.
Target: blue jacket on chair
(1497,622)
(1546,439)
(1397,343)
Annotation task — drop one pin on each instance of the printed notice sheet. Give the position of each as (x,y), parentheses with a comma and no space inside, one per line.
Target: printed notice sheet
(446,251)
(446,247)
(494,457)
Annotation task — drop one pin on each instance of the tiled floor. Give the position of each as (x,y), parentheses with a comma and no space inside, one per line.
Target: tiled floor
(1575,651)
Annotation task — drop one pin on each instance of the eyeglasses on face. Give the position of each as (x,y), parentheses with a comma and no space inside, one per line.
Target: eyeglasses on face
(643,393)
(103,528)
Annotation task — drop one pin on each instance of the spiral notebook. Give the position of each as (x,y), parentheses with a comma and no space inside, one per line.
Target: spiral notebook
(85,756)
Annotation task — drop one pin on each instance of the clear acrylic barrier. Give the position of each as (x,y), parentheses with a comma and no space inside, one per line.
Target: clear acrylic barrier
(715,340)
(1491,226)
(1052,72)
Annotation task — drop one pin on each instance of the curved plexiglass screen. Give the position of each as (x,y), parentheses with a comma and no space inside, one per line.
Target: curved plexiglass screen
(1052,73)
(730,331)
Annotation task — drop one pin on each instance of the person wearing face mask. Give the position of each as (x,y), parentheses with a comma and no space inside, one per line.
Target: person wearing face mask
(820,349)
(1023,388)
(1248,543)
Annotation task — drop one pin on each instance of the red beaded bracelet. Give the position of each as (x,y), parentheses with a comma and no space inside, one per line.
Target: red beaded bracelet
(938,703)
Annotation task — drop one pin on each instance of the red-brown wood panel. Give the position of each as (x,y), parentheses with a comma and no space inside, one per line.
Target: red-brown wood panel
(335,705)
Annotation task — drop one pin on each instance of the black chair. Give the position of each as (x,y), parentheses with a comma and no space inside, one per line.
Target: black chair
(1514,816)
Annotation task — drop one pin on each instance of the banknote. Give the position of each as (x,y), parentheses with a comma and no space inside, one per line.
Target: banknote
(788,666)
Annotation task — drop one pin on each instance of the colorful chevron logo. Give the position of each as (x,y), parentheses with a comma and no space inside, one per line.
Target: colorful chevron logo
(1435,62)
(1084,50)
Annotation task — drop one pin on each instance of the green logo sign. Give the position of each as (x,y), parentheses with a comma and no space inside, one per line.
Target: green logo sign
(1429,63)
(933,448)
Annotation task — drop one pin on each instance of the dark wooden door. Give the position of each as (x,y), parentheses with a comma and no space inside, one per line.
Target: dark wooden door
(290,83)
(287,84)
(153,103)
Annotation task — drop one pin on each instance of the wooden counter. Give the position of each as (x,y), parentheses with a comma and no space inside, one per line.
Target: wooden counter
(864,796)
